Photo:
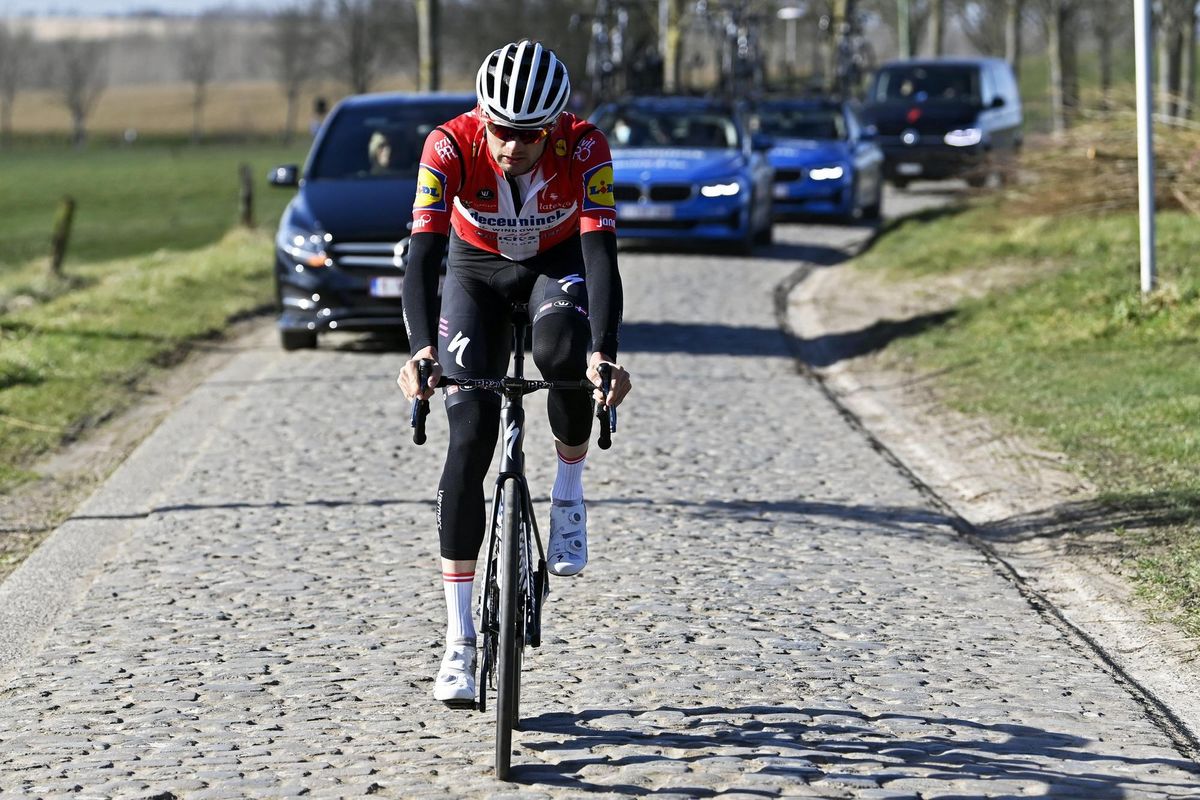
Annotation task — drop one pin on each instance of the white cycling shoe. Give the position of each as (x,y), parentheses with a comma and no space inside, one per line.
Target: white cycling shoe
(455,684)
(566,552)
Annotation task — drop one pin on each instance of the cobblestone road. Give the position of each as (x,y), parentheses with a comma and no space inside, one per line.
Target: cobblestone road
(771,610)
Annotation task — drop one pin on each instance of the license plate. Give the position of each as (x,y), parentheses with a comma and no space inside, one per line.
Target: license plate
(640,212)
(387,287)
(908,169)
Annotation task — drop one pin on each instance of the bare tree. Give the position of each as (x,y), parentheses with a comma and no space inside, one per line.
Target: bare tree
(937,26)
(360,28)
(429,72)
(1176,56)
(16,48)
(918,20)
(197,62)
(1013,20)
(82,77)
(1061,20)
(1108,18)
(293,46)
(983,24)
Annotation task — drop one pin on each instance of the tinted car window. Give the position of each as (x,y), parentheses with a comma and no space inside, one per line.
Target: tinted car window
(639,127)
(802,123)
(925,83)
(377,142)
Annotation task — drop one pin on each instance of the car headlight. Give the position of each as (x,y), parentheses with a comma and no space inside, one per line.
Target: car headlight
(966,137)
(827,173)
(721,189)
(305,247)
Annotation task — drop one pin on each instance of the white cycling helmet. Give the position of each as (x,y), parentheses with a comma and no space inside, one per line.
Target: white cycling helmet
(522,85)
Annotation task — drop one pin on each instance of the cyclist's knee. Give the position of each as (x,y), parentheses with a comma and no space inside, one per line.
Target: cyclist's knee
(474,427)
(560,346)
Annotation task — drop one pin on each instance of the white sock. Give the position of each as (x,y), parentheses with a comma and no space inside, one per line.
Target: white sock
(568,484)
(460,625)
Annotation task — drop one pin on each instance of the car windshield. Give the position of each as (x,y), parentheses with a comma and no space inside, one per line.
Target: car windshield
(781,122)
(640,127)
(376,142)
(919,84)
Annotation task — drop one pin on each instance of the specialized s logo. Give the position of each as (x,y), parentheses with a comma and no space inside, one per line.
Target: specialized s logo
(511,433)
(458,346)
(431,190)
(598,188)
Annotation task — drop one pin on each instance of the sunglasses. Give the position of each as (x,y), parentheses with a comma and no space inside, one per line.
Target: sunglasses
(522,135)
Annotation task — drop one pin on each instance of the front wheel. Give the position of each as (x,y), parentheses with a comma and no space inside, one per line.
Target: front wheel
(508,659)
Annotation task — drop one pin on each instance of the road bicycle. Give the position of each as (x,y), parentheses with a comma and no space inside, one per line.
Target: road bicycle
(512,594)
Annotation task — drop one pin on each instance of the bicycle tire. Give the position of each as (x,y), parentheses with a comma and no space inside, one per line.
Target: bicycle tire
(489,609)
(508,657)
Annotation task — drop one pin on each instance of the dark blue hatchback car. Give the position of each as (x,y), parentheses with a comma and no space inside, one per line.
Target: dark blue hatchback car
(341,244)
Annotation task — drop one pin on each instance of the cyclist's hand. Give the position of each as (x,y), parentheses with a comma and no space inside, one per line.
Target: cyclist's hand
(620,385)
(408,380)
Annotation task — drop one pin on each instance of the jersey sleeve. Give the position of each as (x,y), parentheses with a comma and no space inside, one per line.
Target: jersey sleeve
(598,211)
(438,179)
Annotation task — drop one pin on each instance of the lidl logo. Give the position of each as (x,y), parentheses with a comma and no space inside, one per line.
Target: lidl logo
(560,147)
(431,190)
(599,187)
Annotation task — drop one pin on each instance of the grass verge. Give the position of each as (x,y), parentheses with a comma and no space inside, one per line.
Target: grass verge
(131,200)
(76,359)
(1071,353)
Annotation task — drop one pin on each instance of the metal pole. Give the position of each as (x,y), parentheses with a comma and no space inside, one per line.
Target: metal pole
(903,37)
(1145,141)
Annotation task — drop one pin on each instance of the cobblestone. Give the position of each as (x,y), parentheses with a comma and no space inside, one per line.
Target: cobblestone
(771,608)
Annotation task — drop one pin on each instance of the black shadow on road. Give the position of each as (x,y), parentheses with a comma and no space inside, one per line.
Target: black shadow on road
(1082,519)
(830,348)
(703,339)
(893,519)
(812,750)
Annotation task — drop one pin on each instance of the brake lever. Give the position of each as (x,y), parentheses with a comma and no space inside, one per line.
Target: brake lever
(420,406)
(608,422)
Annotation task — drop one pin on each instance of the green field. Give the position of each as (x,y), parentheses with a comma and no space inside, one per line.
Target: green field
(1072,355)
(152,266)
(130,200)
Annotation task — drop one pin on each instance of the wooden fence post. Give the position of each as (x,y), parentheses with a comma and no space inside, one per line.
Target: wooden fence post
(62,233)
(246,197)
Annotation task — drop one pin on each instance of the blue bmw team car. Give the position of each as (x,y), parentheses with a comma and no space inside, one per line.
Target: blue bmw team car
(684,169)
(825,163)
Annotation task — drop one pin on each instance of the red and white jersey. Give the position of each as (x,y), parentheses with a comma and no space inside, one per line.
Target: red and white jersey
(568,192)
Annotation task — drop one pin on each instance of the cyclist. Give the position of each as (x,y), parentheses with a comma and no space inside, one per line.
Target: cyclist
(521,193)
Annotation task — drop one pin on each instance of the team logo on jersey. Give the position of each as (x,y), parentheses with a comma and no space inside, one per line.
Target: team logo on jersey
(560,148)
(485,194)
(431,189)
(598,188)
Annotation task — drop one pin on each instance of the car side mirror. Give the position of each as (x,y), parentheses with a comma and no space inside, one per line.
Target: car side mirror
(284,175)
(761,142)
(998,102)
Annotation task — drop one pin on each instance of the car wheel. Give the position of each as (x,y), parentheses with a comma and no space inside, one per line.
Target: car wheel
(298,340)
(745,245)
(874,211)
(853,213)
(766,235)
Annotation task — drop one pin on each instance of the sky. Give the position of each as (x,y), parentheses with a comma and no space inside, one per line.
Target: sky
(16,8)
